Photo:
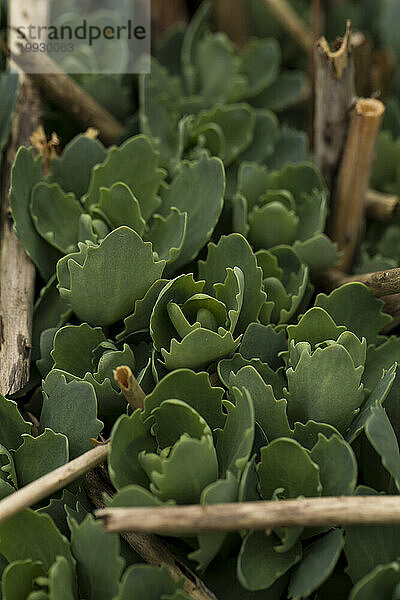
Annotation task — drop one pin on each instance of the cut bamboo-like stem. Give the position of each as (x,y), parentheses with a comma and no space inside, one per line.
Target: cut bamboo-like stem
(290,20)
(151,549)
(65,93)
(230,18)
(310,512)
(381,283)
(334,99)
(354,175)
(129,386)
(382,207)
(52,482)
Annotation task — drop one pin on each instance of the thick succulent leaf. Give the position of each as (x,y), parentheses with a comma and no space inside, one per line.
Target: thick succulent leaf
(19,577)
(382,437)
(57,508)
(99,564)
(236,122)
(168,235)
(253,182)
(367,547)
(71,409)
(100,295)
(152,583)
(56,216)
(337,465)
(259,565)
(180,384)
(286,466)
(182,475)
(30,535)
(118,206)
(380,584)
(25,175)
(61,580)
(271,225)
(234,251)
(233,365)
(235,442)
(354,306)
(308,434)
(74,346)
(139,320)
(72,170)
(172,419)
(129,437)
(197,189)
(328,402)
(265,343)
(291,146)
(193,34)
(317,565)
(314,327)
(265,137)
(318,252)
(136,164)
(223,82)
(380,359)
(270,413)
(132,496)
(40,455)
(375,399)
(221,491)
(261,62)
(12,425)
(289,89)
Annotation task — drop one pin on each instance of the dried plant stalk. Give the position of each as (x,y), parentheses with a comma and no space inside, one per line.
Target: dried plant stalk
(230,18)
(381,207)
(309,512)
(52,482)
(354,175)
(129,386)
(381,283)
(290,20)
(334,99)
(165,14)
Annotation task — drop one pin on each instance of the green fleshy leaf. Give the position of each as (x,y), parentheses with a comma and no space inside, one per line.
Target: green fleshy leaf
(139,320)
(132,496)
(237,362)
(253,182)
(261,62)
(31,536)
(354,306)
(136,164)
(382,437)
(168,235)
(265,343)
(286,466)
(118,206)
(72,170)
(129,437)
(380,584)
(318,563)
(328,402)
(259,565)
(25,175)
(234,251)
(235,442)
(38,456)
(12,425)
(100,295)
(152,583)
(99,564)
(207,400)
(174,418)
(71,409)
(272,224)
(265,136)
(205,179)
(319,253)
(337,465)
(270,413)
(19,579)
(193,34)
(308,434)
(315,327)
(61,580)
(291,146)
(74,346)
(56,216)
(380,359)
(289,89)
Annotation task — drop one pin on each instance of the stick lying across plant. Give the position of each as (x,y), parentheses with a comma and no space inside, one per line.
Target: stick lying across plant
(381,283)
(294,25)
(382,207)
(52,482)
(310,512)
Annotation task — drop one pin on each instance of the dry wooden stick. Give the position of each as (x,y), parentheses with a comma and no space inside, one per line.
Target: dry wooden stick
(334,99)
(164,14)
(310,512)
(65,93)
(230,18)
(52,482)
(381,283)
(129,386)
(392,308)
(354,175)
(290,20)
(151,549)
(382,207)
